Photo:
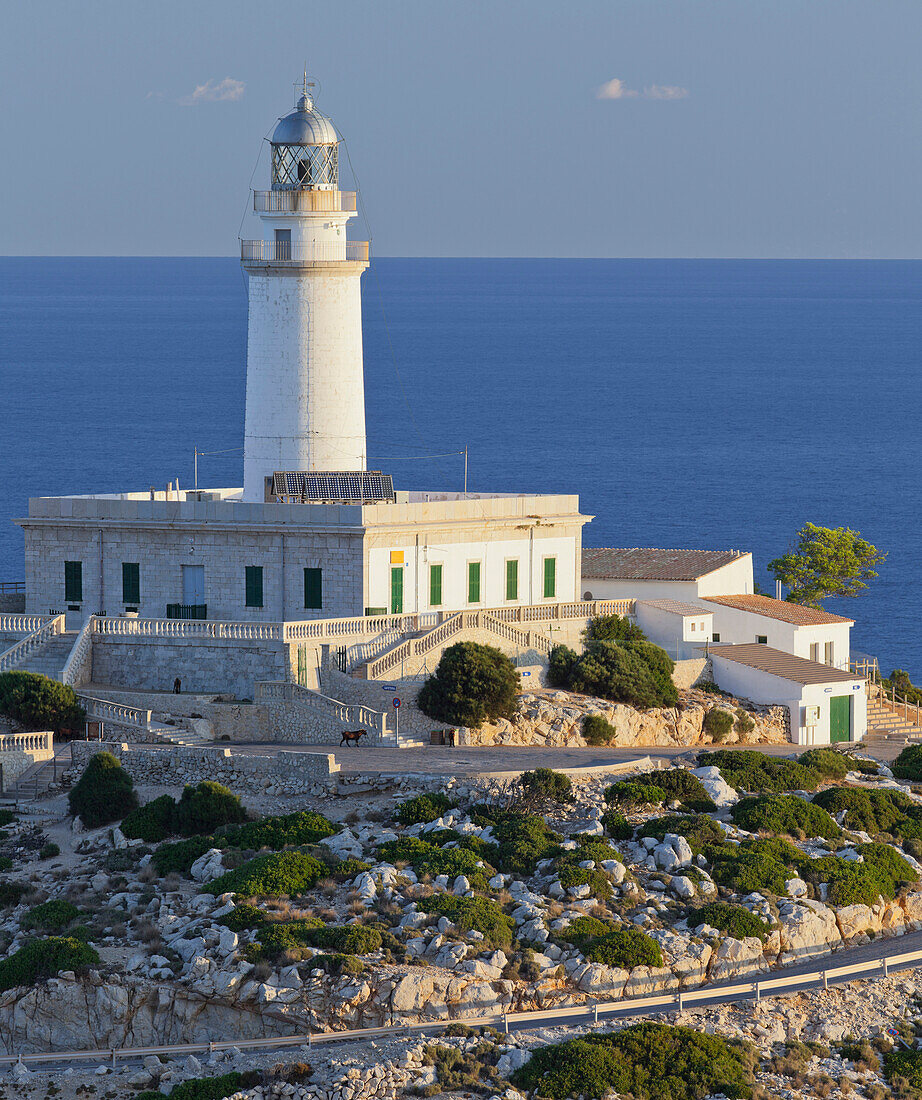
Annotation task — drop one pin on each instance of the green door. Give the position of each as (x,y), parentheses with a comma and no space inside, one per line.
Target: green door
(397,590)
(840,718)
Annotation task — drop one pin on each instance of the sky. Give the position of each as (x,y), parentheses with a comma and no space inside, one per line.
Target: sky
(609,128)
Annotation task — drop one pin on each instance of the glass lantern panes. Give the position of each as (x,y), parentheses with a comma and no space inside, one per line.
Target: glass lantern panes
(305,167)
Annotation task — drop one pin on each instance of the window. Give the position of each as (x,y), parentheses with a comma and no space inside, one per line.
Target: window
(131,582)
(550,578)
(313,589)
(283,244)
(435,585)
(473,582)
(694,627)
(815,651)
(512,579)
(830,653)
(73,581)
(762,639)
(254,586)
(715,637)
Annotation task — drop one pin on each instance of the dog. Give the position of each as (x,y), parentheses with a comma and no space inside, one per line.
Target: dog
(352,737)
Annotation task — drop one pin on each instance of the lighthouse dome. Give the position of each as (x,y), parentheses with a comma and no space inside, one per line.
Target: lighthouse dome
(304,126)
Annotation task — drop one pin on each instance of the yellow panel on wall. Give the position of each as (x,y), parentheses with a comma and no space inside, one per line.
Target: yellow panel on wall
(396,557)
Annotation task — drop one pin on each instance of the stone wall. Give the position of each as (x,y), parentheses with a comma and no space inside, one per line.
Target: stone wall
(12,603)
(227,666)
(284,773)
(691,671)
(234,721)
(290,722)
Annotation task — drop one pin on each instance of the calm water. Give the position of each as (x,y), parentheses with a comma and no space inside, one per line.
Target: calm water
(689,403)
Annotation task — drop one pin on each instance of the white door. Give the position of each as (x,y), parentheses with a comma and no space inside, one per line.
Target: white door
(193,584)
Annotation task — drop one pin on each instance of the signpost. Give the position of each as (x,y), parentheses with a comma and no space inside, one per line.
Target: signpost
(395,703)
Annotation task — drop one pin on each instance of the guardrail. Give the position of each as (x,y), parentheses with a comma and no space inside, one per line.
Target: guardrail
(17,653)
(678,1001)
(348,714)
(80,653)
(303,252)
(296,202)
(25,742)
(12,588)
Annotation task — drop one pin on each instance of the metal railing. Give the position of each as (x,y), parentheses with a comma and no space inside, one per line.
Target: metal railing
(347,714)
(25,742)
(12,588)
(17,653)
(678,1001)
(303,252)
(296,202)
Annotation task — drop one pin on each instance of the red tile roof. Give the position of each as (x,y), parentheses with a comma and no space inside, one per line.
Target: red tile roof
(779,609)
(650,564)
(784,665)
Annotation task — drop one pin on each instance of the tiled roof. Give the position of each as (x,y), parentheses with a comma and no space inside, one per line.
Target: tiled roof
(779,609)
(649,564)
(686,610)
(785,665)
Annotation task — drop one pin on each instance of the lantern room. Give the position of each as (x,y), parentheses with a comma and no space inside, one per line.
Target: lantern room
(305,150)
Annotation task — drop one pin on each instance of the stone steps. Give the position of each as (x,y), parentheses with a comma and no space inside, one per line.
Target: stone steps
(49,659)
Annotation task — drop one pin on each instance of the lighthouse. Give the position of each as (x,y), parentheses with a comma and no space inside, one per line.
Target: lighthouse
(305,394)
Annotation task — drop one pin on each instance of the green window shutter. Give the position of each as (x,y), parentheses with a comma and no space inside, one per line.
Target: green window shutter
(473,582)
(435,586)
(131,582)
(254,586)
(512,579)
(313,589)
(550,578)
(397,590)
(73,581)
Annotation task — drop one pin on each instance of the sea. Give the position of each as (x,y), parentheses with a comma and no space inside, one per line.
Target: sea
(690,403)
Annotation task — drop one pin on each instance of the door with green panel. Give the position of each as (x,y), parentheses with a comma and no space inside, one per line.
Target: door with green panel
(397,590)
(840,718)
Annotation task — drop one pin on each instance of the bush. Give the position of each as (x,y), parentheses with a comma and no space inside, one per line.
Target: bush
(613,628)
(874,812)
(274,938)
(628,793)
(203,808)
(908,765)
(472,684)
(49,851)
(429,859)
(103,793)
(243,918)
(522,840)
(826,762)
(784,813)
(755,866)
(178,857)
(598,882)
(50,916)
(679,785)
(423,809)
(7,817)
(38,703)
(648,1061)
(43,959)
(596,731)
(637,672)
(560,664)
(745,723)
(282,874)
(881,874)
(617,825)
(278,831)
(11,893)
(546,784)
(612,946)
(698,829)
(717,723)
(473,914)
(205,1088)
(749,770)
(151,822)
(736,921)
(906,1064)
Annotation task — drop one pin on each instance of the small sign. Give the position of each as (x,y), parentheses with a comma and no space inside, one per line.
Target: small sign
(526,674)
(388,687)
(894,1032)
(395,702)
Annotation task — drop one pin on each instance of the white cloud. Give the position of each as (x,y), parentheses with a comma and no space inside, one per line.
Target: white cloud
(617,89)
(221,91)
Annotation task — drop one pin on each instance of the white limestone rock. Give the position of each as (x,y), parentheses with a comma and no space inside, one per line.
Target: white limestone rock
(718,789)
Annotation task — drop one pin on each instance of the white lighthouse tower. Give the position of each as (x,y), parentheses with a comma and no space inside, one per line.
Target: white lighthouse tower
(305,395)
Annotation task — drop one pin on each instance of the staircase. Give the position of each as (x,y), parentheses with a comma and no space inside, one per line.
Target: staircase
(49,659)
(37,779)
(890,724)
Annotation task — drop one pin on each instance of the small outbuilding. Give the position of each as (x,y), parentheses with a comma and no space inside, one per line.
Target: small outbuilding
(826,705)
(648,573)
(682,629)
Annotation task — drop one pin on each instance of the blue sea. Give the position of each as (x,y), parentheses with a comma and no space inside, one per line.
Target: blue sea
(716,404)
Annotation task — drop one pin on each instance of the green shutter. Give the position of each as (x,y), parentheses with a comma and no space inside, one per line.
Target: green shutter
(435,586)
(512,579)
(131,582)
(73,581)
(254,586)
(397,590)
(473,582)
(550,578)
(313,589)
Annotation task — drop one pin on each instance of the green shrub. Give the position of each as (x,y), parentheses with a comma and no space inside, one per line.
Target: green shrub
(745,723)
(717,723)
(736,921)
(544,783)
(103,793)
(50,916)
(634,672)
(583,930)
(874,812)
(908,765)
(749,770)
(346,939)
(43,959)
(680,786)
(784,813)
(277,937)
(6,864)
(38,703)
(339,964)
(617,825)
(698,829)
(178,857)
(613,628)
(628,793)
(203,808)
(596,731)
(881,874)
(423,809)
(49,851)
(277,831)
(206,1088)
(429,859)
(826,762)
(472,684)
(612,945)
(905,1064)
(282,874)
(755,866)
(151,822)
(597,881)
(648,1061)
(7,817)
(243,918)
(476,914)
(348,868)
(590,847)
(11,893)
(522,840)
(560,665)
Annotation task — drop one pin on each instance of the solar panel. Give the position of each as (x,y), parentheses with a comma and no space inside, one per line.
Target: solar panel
(332,487)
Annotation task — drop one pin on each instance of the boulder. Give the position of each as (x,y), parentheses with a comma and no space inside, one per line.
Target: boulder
(718,789)
(209,866)
(737,959)
(808,930)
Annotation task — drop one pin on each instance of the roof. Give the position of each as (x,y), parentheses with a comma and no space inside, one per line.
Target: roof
(305,125)
(779,609)
(784,665)
(649,564)
(686,610)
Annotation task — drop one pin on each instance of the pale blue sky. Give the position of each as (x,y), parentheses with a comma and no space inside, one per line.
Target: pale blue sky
(768,127)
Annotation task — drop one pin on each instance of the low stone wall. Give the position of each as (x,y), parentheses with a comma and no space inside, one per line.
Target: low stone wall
(292,723)
(228,666)
(691,671)
(413,723)
(284,773)
(12,603)
(13,764)
(233,721)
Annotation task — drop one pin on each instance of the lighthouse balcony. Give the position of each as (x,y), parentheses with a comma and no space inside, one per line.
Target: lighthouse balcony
(303,253)
(302,202)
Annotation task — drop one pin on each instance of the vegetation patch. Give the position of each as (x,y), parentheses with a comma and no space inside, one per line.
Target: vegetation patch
(908,765)
(200,809)
(635,672)
(749,770)
(423,809)
(736,921)
(784,813)
(546,785)
(698,829)
(616,825)
(680,786)
(613,945)
(597,731)
(38,703)
(631,794)
(472,684)
(476,914)
(104,793)
(718,723)
(874,811)
(648,1061)
(827,762)
(50,916)
(206,1088)
(43,959)
(522,840)
(280,874)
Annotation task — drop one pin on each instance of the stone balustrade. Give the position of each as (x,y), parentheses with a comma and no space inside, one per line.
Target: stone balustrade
(118,714)
(288,703)
(17,653)
(26,742)
(22,624)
